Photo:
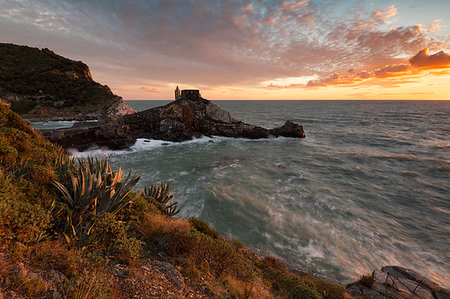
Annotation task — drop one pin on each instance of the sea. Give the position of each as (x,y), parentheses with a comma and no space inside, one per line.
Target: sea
(369,186)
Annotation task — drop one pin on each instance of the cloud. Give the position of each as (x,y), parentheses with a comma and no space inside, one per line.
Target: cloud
(219,43)
(384,14)
(434,26)
(150,89)
(417,64)
(248,8)
(424,60)
(390,70)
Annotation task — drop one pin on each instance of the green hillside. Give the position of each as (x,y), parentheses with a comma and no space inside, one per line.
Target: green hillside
(42,83)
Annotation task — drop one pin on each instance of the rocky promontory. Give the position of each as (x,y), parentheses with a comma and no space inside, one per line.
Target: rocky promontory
(41,85)
(183,119)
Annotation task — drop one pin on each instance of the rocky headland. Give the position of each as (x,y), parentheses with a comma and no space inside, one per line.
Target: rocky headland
(41,85)
(183,119)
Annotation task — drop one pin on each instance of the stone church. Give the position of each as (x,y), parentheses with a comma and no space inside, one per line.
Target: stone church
(186,93)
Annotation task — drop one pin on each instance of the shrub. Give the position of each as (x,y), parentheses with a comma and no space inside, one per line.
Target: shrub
(111,234)
(167,234)
(365,280)
(203,227)
(288,284)
(93,284)
(27,222)
(301,291)
(220,256)
(34,287)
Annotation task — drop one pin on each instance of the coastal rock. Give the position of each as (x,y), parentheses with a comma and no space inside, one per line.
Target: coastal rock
(397,282)
(177,121)
(289,129)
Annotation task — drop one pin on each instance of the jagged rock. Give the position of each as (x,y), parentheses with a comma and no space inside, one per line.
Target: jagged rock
(177,121)
(397,282)
(289,129)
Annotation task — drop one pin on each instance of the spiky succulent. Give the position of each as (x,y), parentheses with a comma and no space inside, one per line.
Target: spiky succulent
(96,189)
(163,195)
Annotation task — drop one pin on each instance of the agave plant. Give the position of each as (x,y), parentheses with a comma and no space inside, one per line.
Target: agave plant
(163,195)
(96,189)
(64,165)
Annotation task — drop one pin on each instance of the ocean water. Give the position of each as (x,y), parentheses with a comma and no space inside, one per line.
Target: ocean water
(369,186)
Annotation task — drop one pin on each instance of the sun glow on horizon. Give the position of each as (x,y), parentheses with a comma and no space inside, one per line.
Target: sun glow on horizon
(257,50)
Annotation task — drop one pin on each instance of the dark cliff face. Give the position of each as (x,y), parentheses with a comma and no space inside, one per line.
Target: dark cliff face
(40,84)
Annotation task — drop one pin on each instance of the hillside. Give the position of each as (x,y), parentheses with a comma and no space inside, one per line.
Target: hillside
(41,85)
(76,230)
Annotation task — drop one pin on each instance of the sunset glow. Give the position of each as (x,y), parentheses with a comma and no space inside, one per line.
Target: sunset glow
(266,50)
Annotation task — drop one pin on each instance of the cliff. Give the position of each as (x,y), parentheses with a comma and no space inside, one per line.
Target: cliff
(41,85)
(179,120)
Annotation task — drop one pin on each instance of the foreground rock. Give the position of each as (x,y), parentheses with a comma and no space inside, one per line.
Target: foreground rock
(183,119)
(397,282)
(41,85)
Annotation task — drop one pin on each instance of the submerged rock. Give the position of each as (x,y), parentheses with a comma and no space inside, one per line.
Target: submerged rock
(180,120)
(397,282)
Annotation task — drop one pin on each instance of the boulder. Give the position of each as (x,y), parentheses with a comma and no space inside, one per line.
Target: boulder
(397,282)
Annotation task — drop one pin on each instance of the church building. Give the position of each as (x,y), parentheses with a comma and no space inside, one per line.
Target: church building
(187,93)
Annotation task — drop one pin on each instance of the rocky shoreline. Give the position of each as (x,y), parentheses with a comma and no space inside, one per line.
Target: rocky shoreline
(180,120)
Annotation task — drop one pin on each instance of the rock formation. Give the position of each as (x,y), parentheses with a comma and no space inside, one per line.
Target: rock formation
(41,85)
(397,282)
(180,120)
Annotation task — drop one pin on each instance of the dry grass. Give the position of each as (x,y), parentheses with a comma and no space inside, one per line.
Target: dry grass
(166,234)
(242,289)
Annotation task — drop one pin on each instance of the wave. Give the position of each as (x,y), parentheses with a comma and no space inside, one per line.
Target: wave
(144,144)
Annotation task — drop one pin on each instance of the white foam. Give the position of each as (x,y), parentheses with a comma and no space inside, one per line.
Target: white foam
(148,144)
(143,144)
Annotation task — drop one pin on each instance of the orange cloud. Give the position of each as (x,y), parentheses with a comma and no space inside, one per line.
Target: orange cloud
(150,89)
(390,70)
(385,14)
(418,64)
(248,8)
(424,60)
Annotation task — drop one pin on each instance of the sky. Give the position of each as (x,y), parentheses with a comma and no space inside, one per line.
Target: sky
(255,50)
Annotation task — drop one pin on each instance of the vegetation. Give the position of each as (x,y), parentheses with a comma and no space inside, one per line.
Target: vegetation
(365,280)
(77,220)
(163,196)
(49,80)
